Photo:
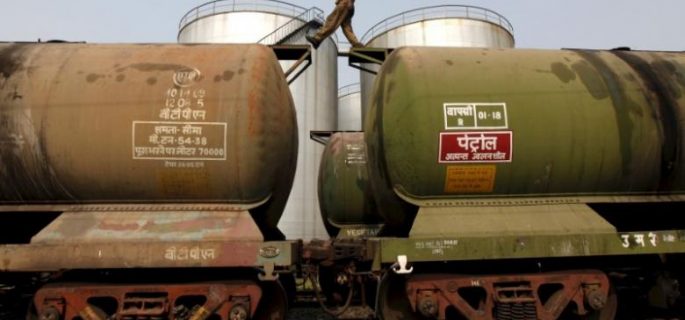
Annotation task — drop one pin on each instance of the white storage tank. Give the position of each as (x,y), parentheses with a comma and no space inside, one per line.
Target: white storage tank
(436,26)
(350,108)
(314,92)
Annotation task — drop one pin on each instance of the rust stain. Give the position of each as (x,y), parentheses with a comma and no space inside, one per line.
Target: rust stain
(255,109)
(94,77)
(666,69)
(105,225)
(680,77)
(563,72)
(184,183)
(197,224)
(150,67)
(77,227)
(664,98)
(228,75)
(591,79)
(10,60)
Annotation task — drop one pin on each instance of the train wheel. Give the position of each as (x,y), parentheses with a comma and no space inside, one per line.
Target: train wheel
(274,303)
(392,300)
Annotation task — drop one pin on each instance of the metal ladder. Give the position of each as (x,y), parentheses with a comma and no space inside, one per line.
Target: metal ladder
(312,18)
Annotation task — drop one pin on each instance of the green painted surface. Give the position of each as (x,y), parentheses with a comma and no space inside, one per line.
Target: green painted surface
(581,123)
(538,246)
(540,220)
(343,184)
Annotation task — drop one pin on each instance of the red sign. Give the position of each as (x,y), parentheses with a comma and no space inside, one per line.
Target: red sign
(476,147)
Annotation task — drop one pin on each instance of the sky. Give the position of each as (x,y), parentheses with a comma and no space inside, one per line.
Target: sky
(552,24)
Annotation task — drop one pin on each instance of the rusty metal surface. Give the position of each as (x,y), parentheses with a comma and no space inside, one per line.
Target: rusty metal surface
(147,254)
(129,207)
(163,301)
(127,227)
(438,292)
(84,123)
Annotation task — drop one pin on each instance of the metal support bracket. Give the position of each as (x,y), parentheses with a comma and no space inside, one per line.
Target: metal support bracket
(323,137)
(400,267)
(360,56)
(268,272)
(298,53)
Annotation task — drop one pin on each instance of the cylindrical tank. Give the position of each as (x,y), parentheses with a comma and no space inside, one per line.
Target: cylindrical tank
(449,124)
(86,123)
(344,193)
(436,26)
(314,92)
(350,108)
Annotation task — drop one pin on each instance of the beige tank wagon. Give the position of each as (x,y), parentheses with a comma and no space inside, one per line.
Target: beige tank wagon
(139,158)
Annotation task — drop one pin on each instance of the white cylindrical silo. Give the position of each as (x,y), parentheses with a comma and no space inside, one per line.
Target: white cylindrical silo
(437,26)
(314,92)
(350,108)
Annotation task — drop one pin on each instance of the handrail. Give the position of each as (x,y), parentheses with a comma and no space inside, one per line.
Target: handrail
(349,89)
(313,14)
(437,12)
(223,6)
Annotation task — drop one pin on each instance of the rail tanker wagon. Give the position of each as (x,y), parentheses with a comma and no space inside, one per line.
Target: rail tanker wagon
(152,159)
(345,198)
(524,184)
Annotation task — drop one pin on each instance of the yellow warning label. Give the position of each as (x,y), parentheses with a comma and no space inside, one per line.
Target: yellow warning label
(470,179)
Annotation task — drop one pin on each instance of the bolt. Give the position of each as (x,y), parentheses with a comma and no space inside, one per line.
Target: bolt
(50,314)
(238,312)
(342,279)
(428,307)
(595,299)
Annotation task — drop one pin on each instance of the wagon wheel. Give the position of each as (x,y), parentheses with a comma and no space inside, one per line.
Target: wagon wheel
(392,300)
(274,302)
